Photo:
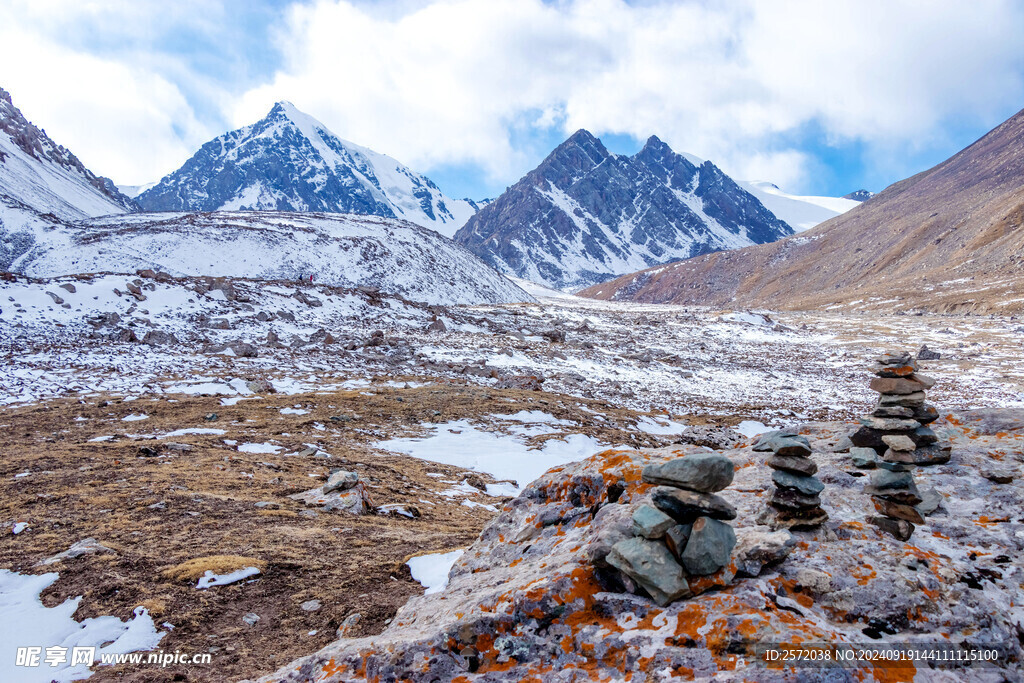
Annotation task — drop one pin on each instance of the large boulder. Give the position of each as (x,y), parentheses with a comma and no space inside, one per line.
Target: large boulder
(535,599)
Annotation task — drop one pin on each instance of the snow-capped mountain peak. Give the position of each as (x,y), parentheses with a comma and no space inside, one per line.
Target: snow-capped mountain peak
(289,161)
(585,214)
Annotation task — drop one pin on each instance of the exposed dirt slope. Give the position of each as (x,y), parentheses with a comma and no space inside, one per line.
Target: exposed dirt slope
(948,239)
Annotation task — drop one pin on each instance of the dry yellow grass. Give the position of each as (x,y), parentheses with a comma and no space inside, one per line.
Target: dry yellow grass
(193,569)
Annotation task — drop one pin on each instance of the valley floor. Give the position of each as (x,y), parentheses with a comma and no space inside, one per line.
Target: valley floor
(235,395)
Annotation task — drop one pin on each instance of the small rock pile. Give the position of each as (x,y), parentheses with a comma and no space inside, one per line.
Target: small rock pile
(796,501)
(683,535)
(898,431)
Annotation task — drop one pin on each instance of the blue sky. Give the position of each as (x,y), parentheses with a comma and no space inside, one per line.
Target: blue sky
(820,98)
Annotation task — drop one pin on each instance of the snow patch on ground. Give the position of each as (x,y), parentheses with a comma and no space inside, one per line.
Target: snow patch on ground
(259,448)
(209,579)
(464,444)
(432,570)
(25,622)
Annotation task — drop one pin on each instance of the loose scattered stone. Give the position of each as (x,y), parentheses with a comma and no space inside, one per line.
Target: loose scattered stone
(340,481)
(756,550)
(898,528)
(87,546)
(999,475)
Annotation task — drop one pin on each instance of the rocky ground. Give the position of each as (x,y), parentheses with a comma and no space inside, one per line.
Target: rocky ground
(102,373)
(532,599)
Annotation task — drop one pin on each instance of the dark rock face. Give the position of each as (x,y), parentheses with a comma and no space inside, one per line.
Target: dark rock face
(287,161)
(859,195)
(585,215)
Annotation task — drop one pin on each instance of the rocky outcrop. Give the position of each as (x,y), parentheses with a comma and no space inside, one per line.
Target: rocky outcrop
(536,597)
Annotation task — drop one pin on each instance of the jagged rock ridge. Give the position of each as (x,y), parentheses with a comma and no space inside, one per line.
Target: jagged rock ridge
(585,215)
(289,161)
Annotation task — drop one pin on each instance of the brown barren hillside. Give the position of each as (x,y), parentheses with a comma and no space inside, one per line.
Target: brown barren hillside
(947,240)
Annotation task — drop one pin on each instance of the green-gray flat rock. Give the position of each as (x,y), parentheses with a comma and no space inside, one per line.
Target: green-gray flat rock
(705,472)
(709,548)
(650,522)
(808,486)
(651,565)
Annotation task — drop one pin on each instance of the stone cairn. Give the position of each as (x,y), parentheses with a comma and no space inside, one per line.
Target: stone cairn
(796,501)
(895,438)
(684,533)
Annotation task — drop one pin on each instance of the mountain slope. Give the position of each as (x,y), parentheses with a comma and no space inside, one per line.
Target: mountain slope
(39,174)
(948,239)
(289,161)
(397,257)
(585,215)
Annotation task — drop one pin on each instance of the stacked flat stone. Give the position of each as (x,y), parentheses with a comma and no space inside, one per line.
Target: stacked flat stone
(684,533)
(796,501)
(894,438)
(898,426)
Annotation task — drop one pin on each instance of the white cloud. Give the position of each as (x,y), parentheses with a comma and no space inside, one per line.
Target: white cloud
(457,81)
(442,82)
(122,118)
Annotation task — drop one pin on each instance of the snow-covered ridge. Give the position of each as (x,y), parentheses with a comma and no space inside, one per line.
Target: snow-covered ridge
(47,177)
(393,256)
(289,161)
(801,212)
